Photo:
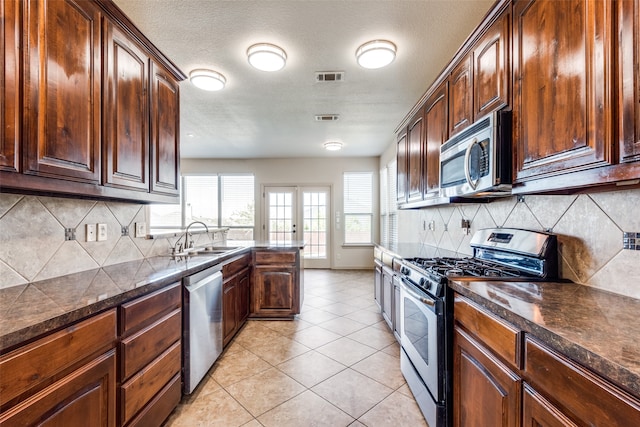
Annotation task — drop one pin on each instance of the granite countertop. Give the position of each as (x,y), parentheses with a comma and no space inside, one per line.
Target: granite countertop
(30,310)
(595,328)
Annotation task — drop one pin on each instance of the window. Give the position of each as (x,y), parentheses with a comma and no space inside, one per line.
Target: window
(358,207)
(217,200)
(388,209)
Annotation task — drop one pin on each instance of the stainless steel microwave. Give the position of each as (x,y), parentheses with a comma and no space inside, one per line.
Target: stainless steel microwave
(477,162)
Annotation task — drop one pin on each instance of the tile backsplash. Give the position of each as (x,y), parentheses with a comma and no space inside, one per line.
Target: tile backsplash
(590,230)
(33,245)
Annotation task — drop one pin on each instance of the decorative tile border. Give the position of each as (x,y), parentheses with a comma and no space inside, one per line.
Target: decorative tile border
(631,240)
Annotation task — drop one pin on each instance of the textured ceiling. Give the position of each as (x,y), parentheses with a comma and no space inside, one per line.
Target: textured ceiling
(260,114)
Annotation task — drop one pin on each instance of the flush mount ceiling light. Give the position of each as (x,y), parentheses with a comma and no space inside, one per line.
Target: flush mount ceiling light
(333,146)
(376,54)
(266,57)
(207,79)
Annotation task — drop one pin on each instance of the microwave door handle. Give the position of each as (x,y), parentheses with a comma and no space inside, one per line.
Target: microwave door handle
(467,172)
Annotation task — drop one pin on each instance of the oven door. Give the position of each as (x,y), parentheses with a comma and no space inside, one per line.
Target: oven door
(422,332)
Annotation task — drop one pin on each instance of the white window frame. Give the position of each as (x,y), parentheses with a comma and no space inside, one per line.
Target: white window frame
(183,223)
(347,214)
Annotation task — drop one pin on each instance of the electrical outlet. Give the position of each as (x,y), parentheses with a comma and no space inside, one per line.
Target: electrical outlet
(432,225)
(90,232)
(102,232)
(141,229)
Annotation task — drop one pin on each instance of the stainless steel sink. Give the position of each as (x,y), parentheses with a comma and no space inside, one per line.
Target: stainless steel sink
(206,250)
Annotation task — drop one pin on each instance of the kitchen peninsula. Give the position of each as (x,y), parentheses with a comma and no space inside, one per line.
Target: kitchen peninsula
(91,311)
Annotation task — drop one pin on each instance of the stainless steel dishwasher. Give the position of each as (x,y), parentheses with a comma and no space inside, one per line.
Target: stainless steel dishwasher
(202,324)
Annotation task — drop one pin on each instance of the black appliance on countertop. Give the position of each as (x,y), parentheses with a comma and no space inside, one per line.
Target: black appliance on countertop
(426,329)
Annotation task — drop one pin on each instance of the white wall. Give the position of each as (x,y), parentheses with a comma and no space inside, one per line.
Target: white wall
(407,219)
(303,172)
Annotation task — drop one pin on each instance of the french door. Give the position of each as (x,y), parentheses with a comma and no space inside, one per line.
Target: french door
(300,213)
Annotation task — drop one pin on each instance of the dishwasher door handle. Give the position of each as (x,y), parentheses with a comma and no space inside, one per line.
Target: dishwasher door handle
(204,282)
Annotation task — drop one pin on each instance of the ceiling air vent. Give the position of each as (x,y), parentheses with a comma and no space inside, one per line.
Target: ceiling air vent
(327,117)
(329,76)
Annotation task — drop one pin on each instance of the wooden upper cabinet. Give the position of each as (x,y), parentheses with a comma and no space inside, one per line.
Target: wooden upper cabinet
(9,86)
(491,68)
(562,105)
(628,33)
(62,69)
(402,165)
(460,96)
(126,134)
(415,137)
(165,131)
(435,117)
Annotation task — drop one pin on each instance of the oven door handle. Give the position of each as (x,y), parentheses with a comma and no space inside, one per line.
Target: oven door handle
(428,301)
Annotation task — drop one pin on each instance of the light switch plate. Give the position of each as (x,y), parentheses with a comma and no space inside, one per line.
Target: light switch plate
(102,232)
(90,233)
(141,229)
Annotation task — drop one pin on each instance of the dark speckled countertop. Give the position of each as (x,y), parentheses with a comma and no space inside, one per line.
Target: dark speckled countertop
(30,310)
(593,327)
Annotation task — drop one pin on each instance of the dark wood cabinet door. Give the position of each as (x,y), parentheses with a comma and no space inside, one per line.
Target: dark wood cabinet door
(415,136)
(436,134)
(229,309)
(62,89)
(491,68)
(387,296)
(628,33)
(165,132)
(402,167)
(377,285)
(461,96)
(562,106)
(126,133)
(537,411)
(397,302)
(10,105)
(485,391)
(274,291)
(244,293)
(86,397)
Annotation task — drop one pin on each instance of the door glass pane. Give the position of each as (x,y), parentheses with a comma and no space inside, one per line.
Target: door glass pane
(315,225)
(280,217)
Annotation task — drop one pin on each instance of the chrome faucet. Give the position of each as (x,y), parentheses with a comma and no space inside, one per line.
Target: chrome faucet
(187,243)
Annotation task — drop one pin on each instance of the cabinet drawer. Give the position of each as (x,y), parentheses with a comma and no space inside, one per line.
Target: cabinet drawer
(84,397)
(579,393)
(145,385)
(275,257)
(161,406)
(236,266)
(136,314)
(502,338)
(140,349)
(37,364)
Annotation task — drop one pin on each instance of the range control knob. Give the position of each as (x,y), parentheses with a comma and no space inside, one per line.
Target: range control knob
(404,270)
(423,283)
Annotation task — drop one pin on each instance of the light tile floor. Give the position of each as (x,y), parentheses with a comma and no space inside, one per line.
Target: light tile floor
(336,364)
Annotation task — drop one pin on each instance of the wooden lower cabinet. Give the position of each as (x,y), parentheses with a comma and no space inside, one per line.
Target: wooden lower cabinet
(65,378)
(387,296)
(235,296)
(505,377)
(485,391)
(577,393)
(150,357)
(538,411)
(275,287)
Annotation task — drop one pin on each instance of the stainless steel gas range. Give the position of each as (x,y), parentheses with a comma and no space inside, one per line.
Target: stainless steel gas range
(426,305)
